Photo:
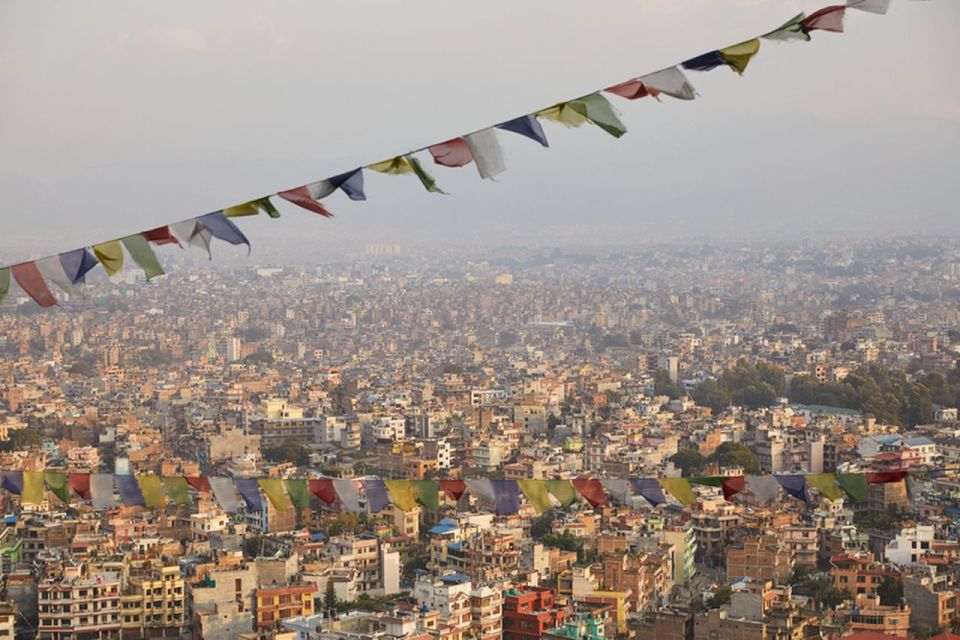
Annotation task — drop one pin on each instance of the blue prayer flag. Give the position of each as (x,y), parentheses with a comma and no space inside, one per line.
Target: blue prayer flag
(527,126)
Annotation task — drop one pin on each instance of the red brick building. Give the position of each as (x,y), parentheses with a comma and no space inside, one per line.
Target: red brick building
(530,611)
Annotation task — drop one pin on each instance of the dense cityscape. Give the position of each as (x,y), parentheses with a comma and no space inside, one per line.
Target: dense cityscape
(689,360)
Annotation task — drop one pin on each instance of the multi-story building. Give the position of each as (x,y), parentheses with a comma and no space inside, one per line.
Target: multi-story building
(685,542)
(154,606)
(76,603)
(868,614)
(764,558)
(486,613)
(932,599)
(529,612)
(274,604)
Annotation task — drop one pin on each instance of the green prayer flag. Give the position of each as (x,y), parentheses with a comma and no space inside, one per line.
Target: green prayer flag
(680,489)
(152,489)
(536,493)
(299,492)
(707,481)
(563,490)
(598,110)
(273,487)
(427,492)
(825,483)
(854,484)
(252,208)
(4,282)
(425,178)
(790,30)
(32,487)
(401,494)
(58,484)
(110,255)
(178,489)
(142,253)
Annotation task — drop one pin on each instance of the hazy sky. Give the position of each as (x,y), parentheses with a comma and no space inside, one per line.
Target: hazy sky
(116,116)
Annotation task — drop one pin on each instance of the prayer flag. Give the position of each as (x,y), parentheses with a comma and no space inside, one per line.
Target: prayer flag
(151,487)
(101,491)
(308,196)
(401,494)
(52,270)
(632,89)
(507,495)
(129,490)
(536,494)
(303,197)
(680,489)
(671,81)
(142,253)
(854,484)
(351,183)
(452,153)
(249,490)
(618,489)
(194,234)
(178,489)
(252,208)
(705,62)
(110,255)
(427,492)
(12,481)
(349,494)
(739,55)
(826,19)
(826,484)
(732,485)
(225,494)
(482,488)
(563,491)
(407,164)
(884,477)
(80,483)
(58,484)
(796,486)
(273,487)
(33,490)
(376,493)
(4,282)
(224,229)
(425,178)
(872,6)
(707,481)
(453,488)
(591,490)
(299,493)
(76,264)
(486,152)
(789,30)
(161,235)
(199,483)
(323,489)
(765,489)
(650,489)
(30,280)
(527,126)
(593,108)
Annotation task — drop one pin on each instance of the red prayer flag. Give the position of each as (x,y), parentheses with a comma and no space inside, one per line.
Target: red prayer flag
(200,483)
(591,490)
(323,489)
(826,19)
(80,483)
(884,477)
(31,280)
(732,485)
(301,197)
(632,89)
(452,153)
(161,235)
(453,488)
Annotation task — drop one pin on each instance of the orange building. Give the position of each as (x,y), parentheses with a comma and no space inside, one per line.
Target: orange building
(276,603)
(858,573)
(766,558)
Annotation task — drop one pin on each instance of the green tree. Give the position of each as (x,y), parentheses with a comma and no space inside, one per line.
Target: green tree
(330,597)
(721,596)
(289,451)
(890,591)
(734,454)
(688,461)
(664,386)
(21,440)
(710,393)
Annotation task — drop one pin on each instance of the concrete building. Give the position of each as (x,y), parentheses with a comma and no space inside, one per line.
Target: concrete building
(77,603)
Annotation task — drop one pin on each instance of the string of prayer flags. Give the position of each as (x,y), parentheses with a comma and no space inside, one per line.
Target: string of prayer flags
(142,253)
(739,55)
(453,488)
(161,235)
(872,6)
(618,489)
(80,484)
(193,234)
(129,491)
(299,492)
(110,255)
(249,490)
(452,153)
(252,208)
(591,490)
(401,165)
(527,126)
(12,481)
(670,81)
(427,493)
(101,491)
(58,485)
(650,489)
(592,108)
(765,489)
(273,489)
(348,492)
(826,484)
(178,489)
(487,154)
(308,196)
(323,489)
(31,281)
(792,29)
(854,484)
(884,477)
(33,490)
(376,492)
(536,494)
(632,89)
(482,489)
(796,486)
(704,62)
(563,490)
(680,489)
(151,488)
(732,485)
(707,481)
(76,264)
(225,494)
(221,227)
(826,19)
(401,494)
(51,269)
(507,496)
(199,483)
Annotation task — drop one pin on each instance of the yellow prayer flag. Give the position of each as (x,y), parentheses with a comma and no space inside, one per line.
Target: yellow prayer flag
(110,255)
(536,493)
(33,490)
(826,484)
(275,491)
(396,166)
(401,494)
(738,56)
(152,489)
(563,114)
(680,489)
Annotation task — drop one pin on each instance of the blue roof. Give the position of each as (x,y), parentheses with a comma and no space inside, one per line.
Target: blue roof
(918,441)
(444,526)
(455,578)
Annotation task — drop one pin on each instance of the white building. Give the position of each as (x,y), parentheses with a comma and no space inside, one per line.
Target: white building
(910,545)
